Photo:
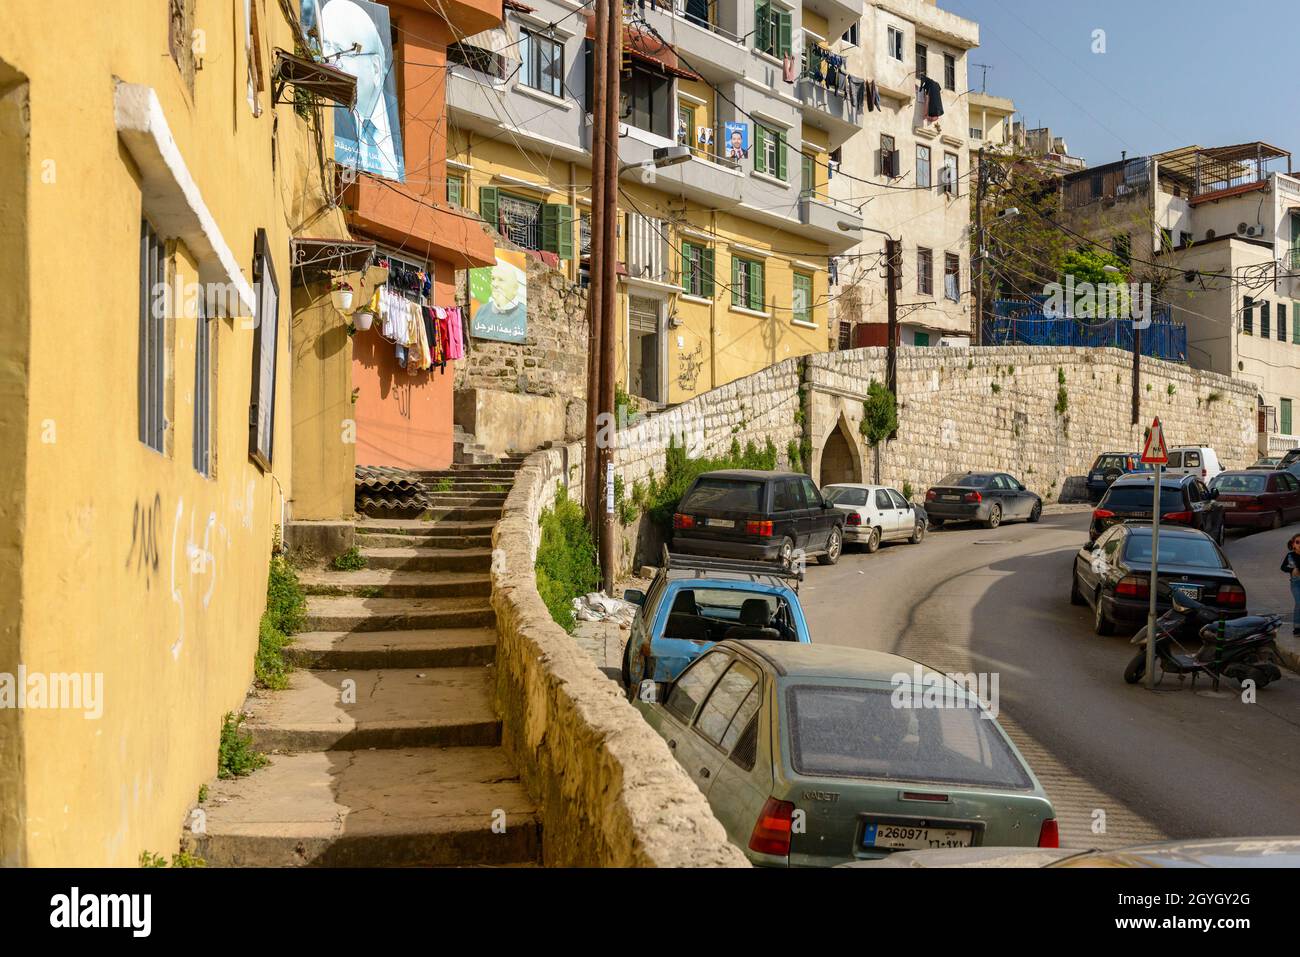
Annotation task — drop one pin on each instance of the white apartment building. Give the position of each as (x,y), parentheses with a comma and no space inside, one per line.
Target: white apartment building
(910,175)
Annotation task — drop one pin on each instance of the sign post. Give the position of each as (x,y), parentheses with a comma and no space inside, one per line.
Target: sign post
(1154,453)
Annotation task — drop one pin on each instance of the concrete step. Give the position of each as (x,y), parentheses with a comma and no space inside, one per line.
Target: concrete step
(416,648)
(350,613)
(416,559)
(432,540)
(482,472)
(459,499)
(382,708)
(388,583)
(408,807)
(448,515)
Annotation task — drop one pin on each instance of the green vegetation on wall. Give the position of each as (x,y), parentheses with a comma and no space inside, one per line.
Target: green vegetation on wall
(566,558)
(286,607)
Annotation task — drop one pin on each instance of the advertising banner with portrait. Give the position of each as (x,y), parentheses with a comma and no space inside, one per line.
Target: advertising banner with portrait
(498,299)
(355,36)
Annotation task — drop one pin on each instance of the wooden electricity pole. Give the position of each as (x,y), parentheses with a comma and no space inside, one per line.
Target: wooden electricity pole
(893,255)
(596,271)
(608,290)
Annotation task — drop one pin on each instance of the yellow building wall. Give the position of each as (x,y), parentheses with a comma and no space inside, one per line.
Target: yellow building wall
(134,565)
(719,342)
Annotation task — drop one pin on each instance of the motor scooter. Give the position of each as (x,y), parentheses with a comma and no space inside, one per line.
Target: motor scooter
(1241,648)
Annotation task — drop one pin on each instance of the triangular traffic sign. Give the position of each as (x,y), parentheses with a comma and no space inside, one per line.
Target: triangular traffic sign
(1154,451)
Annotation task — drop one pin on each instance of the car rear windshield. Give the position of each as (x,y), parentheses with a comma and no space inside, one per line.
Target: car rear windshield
(843,495)
(965,480)
(858,732)
(1240,483)
(1137,498)
(724,495)
(1110,462)
(1175,551)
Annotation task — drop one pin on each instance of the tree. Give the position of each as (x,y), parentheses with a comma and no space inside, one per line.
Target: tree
(879,419)
(1024,250)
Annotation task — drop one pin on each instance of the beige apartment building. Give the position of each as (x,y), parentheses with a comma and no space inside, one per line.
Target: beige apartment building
(1219,228)
(910,173)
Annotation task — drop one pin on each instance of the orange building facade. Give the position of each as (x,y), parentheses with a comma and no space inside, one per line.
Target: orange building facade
(404,419)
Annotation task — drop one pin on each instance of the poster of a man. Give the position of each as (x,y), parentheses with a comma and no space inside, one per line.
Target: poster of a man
(355,36)
(737,142)
(498,299)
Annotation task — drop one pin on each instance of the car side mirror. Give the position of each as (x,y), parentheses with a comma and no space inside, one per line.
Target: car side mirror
(1214,493)
(634,595)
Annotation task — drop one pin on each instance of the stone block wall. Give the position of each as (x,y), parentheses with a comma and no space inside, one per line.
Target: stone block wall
(997,408)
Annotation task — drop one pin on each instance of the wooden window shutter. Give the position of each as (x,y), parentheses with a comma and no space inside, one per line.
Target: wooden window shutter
(735,282)
(760,149)
(785,43)
(557,229)
(706,266)
(487,204)
(763,25)
(687,251)
(756,294)
(780,155)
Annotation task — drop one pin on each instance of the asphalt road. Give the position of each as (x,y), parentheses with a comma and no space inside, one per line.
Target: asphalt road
(1171,763)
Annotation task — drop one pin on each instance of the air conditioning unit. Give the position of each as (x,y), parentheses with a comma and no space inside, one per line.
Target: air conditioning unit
(1255,232)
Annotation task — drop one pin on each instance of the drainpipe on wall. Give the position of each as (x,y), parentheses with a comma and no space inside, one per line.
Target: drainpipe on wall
(713,309)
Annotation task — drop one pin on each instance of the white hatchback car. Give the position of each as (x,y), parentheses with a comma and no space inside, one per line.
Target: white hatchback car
(1198,460)
(876,513)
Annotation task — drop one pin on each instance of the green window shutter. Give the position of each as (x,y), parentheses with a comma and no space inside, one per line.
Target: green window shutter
(706,265)
(735,282)
(763,26)
(1295,322)
(557,229)
(760,149)
(688,250)
(783,46)
(756,295)
(780,155)
(487,204)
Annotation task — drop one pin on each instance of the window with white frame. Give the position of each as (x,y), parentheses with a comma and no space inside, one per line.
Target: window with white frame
(922,165)
(924,271)
(894,39)
(152,361)
(203,381)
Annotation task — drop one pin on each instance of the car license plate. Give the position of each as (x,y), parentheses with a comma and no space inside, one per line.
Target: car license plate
(906,837)
(721,523)
(1188,591)
(951,498)
(1228,504)
(1097,477)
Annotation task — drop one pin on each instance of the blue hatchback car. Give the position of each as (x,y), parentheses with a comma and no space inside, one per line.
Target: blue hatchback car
(695,602)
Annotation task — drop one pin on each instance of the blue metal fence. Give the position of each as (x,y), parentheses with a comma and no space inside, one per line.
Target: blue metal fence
(1019,321)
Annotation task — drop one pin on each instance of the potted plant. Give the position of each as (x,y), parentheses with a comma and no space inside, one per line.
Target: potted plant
(341,295)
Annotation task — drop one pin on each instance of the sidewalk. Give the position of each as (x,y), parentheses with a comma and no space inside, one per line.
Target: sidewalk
(605,640)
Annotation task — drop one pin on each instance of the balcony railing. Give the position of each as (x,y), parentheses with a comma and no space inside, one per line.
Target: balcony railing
(701,14)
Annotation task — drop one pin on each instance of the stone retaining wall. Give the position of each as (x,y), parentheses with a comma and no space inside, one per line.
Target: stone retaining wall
(610,792)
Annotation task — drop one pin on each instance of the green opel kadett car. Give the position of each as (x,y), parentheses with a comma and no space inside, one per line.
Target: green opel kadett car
(814,755)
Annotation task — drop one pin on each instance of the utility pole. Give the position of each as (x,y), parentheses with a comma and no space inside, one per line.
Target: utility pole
(1137,367)
(596,271)
(893,255)
(609,287)
(979,251)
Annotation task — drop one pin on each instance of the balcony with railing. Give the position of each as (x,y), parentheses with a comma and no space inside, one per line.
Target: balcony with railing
(833,99)
(704,32)
(1204,175)
(838,223)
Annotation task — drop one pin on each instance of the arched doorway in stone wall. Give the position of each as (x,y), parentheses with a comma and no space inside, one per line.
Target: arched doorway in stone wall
(840,461)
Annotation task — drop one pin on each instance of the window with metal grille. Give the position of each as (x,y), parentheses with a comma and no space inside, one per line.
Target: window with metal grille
(521,221)
(845,335)
(584,234)
(480,59)
(922,166)
(542,63)
(924,271)
(949,72)
(152,362)
(647,247)
(203,391)
(952,276)
(922,61)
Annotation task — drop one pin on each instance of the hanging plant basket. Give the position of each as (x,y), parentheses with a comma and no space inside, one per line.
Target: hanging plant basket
(341,296)
(363,320)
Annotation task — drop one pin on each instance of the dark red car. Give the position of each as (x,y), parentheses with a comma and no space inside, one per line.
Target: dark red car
(1258,499)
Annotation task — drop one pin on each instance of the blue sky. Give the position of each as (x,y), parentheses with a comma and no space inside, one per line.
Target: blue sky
(1175,72)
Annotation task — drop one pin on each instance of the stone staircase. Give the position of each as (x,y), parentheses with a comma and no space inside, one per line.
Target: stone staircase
(386,746)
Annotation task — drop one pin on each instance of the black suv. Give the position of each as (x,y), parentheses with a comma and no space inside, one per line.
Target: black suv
(763,516)
(1184,500)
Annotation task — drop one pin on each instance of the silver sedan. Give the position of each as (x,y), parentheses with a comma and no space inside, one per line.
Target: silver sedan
(876,513)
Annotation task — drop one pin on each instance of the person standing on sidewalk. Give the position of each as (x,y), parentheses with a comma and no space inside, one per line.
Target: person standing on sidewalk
(1291,565)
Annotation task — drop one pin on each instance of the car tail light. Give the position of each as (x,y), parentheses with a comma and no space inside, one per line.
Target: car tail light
(930,496)
(1049,835)
(853,519)
(1233,596)
(759,527)
(972,497)
(772,829)
(1133,587)
(683,521)
(1176,517)
(1102,513)
(1203,474)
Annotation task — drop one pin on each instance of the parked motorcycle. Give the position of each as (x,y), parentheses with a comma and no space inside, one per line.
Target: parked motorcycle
(1241,649)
